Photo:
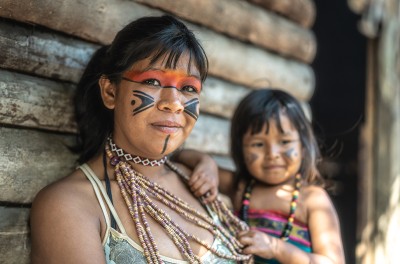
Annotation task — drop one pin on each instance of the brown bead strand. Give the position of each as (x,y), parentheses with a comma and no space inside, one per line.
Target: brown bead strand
(136,188)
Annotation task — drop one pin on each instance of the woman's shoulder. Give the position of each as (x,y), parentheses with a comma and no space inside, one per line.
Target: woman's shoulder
(72,193)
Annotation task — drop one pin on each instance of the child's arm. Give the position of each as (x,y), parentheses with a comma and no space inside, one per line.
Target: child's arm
(206,176)
(325,236)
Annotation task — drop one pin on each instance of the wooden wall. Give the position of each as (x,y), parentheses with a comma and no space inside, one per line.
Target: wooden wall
(45,45)
(379,180)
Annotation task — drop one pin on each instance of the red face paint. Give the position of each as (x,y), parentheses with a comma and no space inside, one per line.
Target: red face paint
(166,78)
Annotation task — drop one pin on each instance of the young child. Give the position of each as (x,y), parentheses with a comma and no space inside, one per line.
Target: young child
(276,189)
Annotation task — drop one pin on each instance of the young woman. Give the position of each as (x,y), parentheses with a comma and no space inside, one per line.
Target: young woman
(137,102)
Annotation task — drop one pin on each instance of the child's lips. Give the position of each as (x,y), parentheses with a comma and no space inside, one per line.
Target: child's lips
(274,167)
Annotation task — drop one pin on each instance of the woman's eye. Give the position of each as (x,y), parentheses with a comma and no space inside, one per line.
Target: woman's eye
(189,89)
(152,82)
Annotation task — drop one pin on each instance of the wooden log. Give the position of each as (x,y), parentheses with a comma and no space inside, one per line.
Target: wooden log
(254,67)
(221,98)
(249,23)
(212,133)
(14,235)
(33,102)
(300,11)
(34,51)
(33,159)
(30,160)
(28,101)
(229,59)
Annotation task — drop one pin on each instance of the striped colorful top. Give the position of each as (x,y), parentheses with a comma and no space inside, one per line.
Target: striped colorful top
(273,223)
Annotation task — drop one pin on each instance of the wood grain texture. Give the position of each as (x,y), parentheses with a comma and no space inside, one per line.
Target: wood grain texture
(14,235)
(34,102)
(300,11)
(230,59)
(32,50)
(244,21)
(31,160)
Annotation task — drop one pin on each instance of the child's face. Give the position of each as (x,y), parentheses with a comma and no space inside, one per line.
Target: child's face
(273,157)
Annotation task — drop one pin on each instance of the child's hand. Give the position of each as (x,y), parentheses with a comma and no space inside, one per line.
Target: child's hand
(204,180)
(258,243)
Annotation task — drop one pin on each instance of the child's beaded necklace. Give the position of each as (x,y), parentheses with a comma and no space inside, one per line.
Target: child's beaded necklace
(293,204)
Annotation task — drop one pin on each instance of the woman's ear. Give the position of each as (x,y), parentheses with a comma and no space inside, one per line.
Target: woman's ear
(107,91)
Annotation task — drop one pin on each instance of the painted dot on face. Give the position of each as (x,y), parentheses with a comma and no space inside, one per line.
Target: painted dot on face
(147,101)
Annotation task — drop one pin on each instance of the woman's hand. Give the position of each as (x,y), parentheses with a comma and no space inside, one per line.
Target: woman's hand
(204,179)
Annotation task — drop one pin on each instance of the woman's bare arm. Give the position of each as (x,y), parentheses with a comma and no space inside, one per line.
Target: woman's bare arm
(65,226)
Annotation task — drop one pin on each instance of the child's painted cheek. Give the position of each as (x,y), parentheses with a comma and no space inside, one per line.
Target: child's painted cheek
(291,153)
(250,158)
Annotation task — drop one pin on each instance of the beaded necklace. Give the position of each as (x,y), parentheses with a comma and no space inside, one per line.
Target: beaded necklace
(293,204)
(138,192)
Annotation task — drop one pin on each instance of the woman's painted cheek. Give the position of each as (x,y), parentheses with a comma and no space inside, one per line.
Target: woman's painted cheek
(191,108)
(145,100)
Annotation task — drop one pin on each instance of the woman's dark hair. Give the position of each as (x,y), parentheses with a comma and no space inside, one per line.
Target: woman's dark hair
(147,37)
(254,111)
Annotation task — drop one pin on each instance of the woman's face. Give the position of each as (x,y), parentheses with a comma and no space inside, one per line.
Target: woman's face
(155,108)
(273,156)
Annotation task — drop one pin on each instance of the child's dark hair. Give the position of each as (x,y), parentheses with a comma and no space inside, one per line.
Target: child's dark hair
(255,110)
(147,37)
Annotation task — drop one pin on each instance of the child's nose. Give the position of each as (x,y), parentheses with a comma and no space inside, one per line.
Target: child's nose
(272,151)
(170,100)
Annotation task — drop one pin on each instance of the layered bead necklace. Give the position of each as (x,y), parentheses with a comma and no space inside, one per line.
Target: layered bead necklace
(293,205)
(138,192)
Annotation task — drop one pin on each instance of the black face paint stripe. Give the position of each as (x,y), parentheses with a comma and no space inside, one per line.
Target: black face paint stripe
(291,153)
(165,144)
(147,101)
(191,108)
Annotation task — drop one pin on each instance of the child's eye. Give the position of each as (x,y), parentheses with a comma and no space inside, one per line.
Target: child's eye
(189,89)
(153,82)
(257,144)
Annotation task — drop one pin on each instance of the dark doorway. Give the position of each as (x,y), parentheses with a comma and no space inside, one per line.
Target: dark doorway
(338,105)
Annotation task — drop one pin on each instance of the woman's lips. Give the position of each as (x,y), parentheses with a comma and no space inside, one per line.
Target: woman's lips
(168,127)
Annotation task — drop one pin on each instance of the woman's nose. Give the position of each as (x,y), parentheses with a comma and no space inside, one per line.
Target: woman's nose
(170,100)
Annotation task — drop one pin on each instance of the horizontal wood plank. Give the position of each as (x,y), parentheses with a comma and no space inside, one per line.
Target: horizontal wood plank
(31,160)
(255,67)
(210,133)
(244,21)
(300,11)
(28,101)
(14,235)
(37,52)
(230,59)
(34,102)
